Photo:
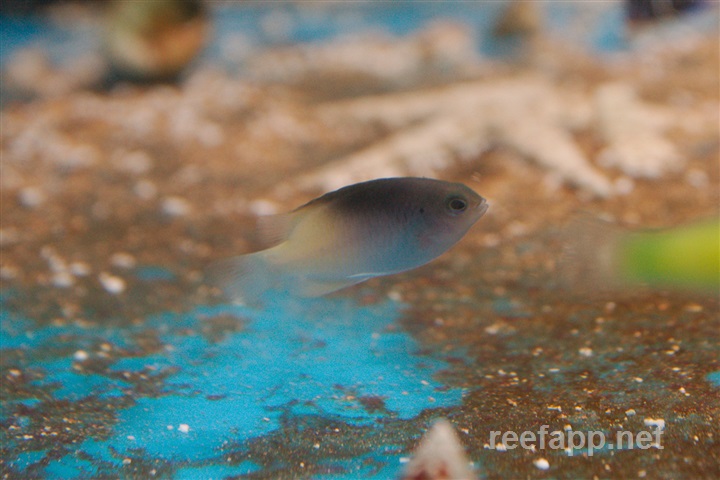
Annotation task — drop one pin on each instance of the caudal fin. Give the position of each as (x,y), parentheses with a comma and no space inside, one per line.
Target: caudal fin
(244,279)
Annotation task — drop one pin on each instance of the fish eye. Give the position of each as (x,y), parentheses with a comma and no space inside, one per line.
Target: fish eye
(457,204)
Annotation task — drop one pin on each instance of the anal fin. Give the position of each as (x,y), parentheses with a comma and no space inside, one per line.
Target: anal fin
(316,288)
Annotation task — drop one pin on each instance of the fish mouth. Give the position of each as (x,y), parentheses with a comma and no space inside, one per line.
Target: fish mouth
(481,208)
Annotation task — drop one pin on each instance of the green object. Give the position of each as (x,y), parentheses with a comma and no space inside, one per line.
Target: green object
(687,256)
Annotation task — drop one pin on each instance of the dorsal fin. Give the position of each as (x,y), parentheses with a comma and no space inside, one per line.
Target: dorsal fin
(275,229)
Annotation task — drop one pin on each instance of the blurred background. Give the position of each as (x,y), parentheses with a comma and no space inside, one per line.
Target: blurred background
(140,140)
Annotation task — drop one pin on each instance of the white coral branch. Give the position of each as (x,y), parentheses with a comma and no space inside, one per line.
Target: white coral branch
(633,131)
(459,122)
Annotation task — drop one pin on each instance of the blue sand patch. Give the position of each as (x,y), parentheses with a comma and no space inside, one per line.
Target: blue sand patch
(212,472)
(73,385)
(714,378)
(28,458)
(69,466)
(320,360)
(319,357)
(19,332)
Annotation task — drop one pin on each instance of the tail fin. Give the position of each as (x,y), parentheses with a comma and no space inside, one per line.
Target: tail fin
(243,279)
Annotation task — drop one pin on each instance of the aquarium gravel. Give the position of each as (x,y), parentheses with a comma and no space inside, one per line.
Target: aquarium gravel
(117,360)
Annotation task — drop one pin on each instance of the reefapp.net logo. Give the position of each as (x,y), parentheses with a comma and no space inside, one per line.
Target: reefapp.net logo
(576,441)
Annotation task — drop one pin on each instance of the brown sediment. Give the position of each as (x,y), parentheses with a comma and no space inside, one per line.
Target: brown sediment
(172,176)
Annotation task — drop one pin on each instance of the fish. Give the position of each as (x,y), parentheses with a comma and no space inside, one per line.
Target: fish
(645,11)
(601,257)
(439,456)
(369,229)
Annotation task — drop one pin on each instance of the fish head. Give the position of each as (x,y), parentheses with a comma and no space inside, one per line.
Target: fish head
(448,213)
